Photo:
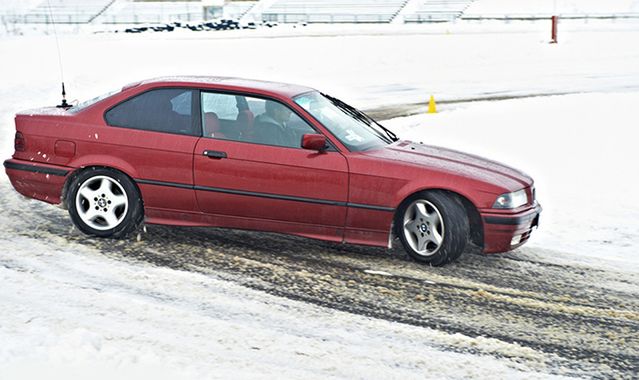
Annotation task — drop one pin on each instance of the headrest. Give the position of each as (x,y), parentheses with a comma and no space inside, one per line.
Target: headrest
(212,126)
(211,122)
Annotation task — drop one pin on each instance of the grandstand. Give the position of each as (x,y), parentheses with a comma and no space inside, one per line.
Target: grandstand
(104,11)
(543,9)
(237,9)
(132,12)
(333,11)
(65,11)
(309,11)
(437,10)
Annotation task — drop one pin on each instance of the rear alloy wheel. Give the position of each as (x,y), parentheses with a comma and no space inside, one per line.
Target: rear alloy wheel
(433,227)
(105,203)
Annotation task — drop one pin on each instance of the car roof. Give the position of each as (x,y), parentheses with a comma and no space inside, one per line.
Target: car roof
(228,83)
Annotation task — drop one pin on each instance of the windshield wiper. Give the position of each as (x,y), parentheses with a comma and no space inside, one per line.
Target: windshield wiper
(390,133)
(359,115)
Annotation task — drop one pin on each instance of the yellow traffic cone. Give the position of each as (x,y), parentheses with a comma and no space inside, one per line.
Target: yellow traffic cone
(432,108)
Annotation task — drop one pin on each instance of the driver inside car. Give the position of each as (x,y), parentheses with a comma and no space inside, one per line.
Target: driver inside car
(270,127)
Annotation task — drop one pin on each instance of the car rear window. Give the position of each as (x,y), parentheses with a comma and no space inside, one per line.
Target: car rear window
(168,110)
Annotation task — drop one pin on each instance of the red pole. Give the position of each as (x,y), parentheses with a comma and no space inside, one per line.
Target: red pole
(553,37)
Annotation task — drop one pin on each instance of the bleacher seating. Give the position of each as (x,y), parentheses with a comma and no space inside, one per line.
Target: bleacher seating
(544,9)
(129,12)
(236,9)
(312,11)
(65,11)
(437,10)
(333,11)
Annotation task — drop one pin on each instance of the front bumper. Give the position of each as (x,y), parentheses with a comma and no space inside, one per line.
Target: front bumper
(37,180)
(506,230)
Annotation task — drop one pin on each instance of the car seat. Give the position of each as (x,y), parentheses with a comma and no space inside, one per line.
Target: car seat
(212,126)
(245,119)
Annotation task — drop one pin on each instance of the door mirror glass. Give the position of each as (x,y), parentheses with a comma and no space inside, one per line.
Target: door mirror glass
(314,142)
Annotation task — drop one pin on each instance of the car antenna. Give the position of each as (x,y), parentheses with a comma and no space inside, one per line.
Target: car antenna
(64,103)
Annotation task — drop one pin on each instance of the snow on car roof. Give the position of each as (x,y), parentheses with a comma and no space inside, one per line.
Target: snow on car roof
(283,89)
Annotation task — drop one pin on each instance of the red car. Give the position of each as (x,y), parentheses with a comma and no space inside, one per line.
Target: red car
(237,153)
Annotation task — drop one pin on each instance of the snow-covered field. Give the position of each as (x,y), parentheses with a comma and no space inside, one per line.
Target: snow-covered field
(69,310)
(370,65)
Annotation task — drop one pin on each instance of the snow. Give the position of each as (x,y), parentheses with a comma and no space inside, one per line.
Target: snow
(367,66)
(70,312)
(377,272)
(67,311)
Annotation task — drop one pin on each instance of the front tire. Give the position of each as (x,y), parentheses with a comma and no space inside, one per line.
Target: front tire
(433,227)
(104,202)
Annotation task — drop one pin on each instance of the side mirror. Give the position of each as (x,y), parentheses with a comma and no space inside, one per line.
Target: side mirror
(314,142)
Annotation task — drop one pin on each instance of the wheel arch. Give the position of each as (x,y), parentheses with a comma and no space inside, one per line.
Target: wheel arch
(82,169)
(474,218)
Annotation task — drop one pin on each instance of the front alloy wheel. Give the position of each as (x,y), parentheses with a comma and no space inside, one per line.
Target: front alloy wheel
(433,227)
(423,227)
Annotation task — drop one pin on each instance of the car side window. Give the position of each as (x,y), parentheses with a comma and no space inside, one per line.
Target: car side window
(166,110)
(251,119)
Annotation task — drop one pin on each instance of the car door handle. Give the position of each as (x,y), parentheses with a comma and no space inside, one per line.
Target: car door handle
(214,154)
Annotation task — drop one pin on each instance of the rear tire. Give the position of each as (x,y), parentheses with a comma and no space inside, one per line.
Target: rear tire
(433,227)
(104,202)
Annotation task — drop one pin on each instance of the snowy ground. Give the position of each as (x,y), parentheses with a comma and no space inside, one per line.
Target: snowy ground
(367,65)
(68,303)
(86,314)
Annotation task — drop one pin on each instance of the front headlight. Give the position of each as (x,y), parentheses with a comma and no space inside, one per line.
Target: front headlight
(511,200)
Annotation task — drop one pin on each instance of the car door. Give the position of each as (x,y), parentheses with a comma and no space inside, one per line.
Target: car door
(241,171)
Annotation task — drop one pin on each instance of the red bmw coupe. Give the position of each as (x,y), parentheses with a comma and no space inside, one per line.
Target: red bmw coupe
(246,154)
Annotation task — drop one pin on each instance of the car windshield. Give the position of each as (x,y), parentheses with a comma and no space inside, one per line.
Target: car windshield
(80,106)
(353,128)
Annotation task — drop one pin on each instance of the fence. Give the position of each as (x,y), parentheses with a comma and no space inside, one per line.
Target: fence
(562,16)
(325,18)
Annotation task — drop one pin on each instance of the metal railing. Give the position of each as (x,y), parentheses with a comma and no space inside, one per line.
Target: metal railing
(332,18)
(45,18)
(83,18)
(546,16)
(150,19)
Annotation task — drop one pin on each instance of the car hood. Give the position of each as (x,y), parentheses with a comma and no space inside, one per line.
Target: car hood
(455,163)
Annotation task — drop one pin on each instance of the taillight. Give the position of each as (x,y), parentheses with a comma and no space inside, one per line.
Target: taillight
(19,143)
